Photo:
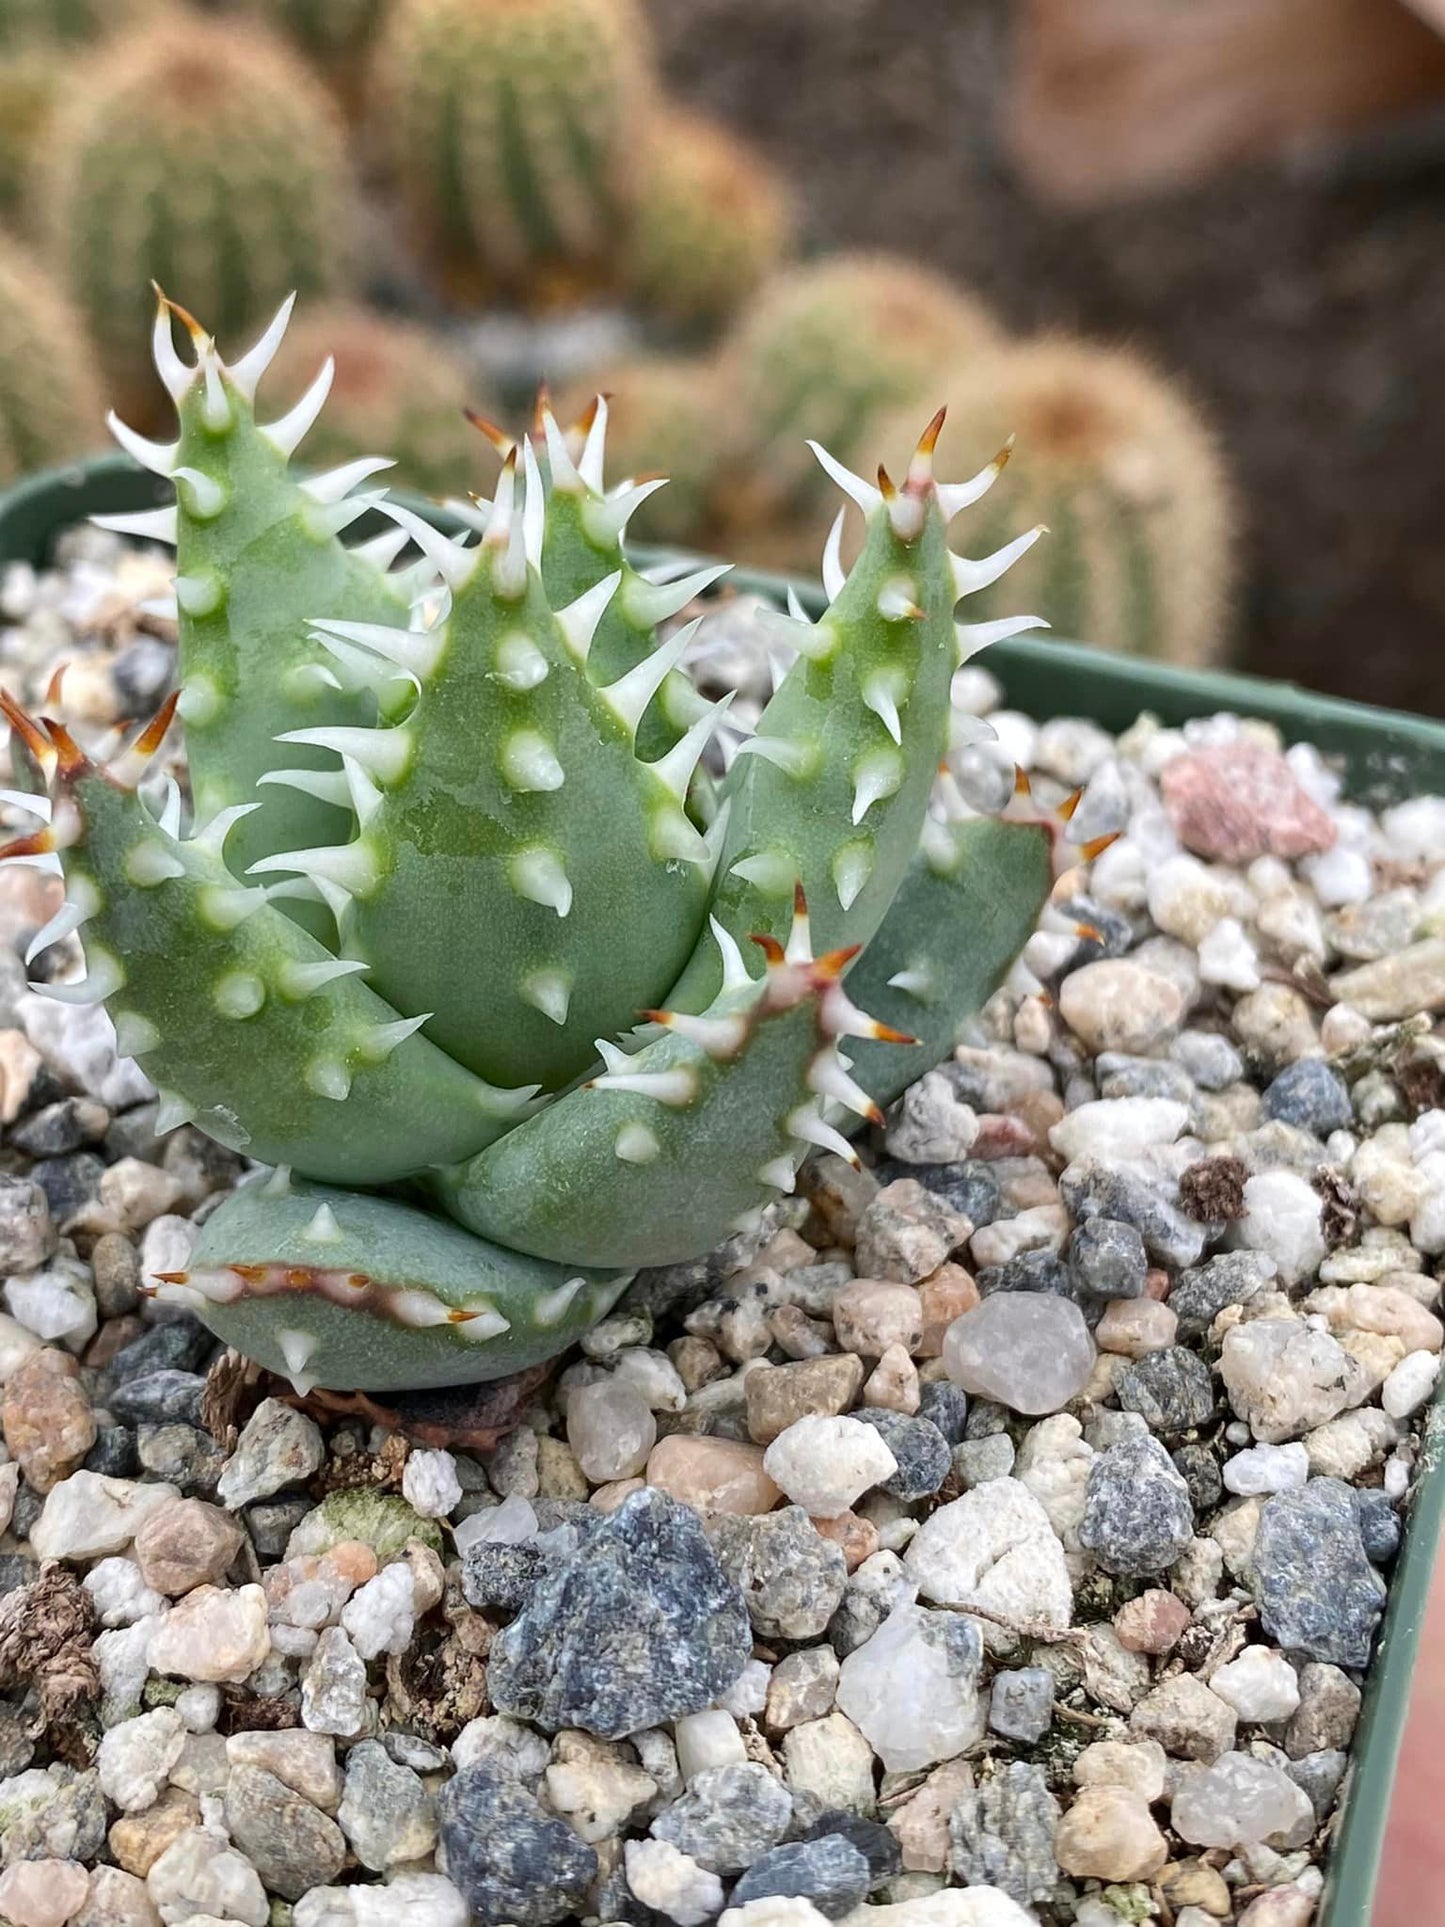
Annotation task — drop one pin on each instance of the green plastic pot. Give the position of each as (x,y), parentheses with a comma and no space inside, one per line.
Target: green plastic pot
(1384,754)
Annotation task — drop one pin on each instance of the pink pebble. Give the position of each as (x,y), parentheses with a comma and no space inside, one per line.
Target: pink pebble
(1240,801)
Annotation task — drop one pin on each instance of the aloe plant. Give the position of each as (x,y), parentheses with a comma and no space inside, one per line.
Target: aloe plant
(461,942)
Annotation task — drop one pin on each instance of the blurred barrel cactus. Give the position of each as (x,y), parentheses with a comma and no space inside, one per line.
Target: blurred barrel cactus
(336,34)
(196,152)
(50,402)
(513,128)
(664,413)
(593,1009)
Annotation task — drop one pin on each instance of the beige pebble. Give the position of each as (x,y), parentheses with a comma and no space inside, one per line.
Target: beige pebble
(42,1893)
(893,1383)
(1139,1765)
(944,1295)
(1133,1327)
(1377,1353)
(186,1543)
(920,1825)
(1287,1906)
(117,1899)
(1152,1622)
(779,1395)
(139,1839)
(304,1761)
(607,1498)
(559,1476)
(1394,1313)
(212,1635)
(872,1314)
(1117,1004)
(20,1062)
(1194,1883)
(857,1536)
(47,1419)
(712,1475)
(1108,1833)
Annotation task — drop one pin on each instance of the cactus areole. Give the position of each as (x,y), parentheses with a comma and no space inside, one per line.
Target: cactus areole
(457,914)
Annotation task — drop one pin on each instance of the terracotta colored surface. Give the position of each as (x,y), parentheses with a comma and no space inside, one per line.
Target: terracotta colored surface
(1412,1879)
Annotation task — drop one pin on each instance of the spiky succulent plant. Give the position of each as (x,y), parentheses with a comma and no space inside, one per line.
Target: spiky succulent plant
(592,1011)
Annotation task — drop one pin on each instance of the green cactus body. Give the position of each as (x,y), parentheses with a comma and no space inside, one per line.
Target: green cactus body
(1122,469)
(517,880)
(203,157)
(510,126)
(50,406)
(337,35)
(711,220)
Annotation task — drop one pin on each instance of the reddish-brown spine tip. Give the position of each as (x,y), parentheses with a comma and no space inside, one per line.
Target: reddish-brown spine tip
(833,963)
(887,487)
(25,727)
(37,843)
(1097,845)
(886,1034)
(1022,785)
(928,440)
(769,946)
(171,1277)
(70,759)
(1071,802)
(154,733)
(504,443)
(541,408)
(56,685)
(187,320)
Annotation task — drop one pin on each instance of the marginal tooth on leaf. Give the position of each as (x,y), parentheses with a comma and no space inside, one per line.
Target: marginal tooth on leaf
(211,840)
(735,971)
(326,785)
(969,576)
(675,838)
(538,874)
(778,1173)
(605,520)
(675,766)
(223,907)
(216,404)
(199,701)
(833,572)
(907,508)
(296,1348)
(613,1056)
(534,508)
(882,692)
(593,459)
(415,652)
(470,510)
(174,373)
(897,600)
(382,550)
(383,753)
(676,1087)
(973,636)
(839,1016)
(720,1037)
(247,372)
(478,1322)
(31,734)
(66,921)
(418,1309)
(337,483)
(172,1111)
(150,525)
(520,663)
(828,1078)
(350,867)
(278,1185)
(771,871)
(852,867)
(530,763)
(954,496)
(563,470)
(200,595)
(549,991)
(716,836)
(554,1305)
(328,1077)
(853,486)
(579,620)
(286,435)
(505,537)
(375,1044)
(200,495)
(158,457)
(240,993)
(103,978)
(649,603)
(794,759)
(808,1124)
(134,1034)
(875,776)
(325,519)
(297,981)
(920,466)
(636,1144)
(629,696)
(917,984)
(453,562)
(149,863)
(800,933)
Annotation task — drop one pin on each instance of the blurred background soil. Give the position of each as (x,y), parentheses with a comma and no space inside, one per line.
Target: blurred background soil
(1302,295)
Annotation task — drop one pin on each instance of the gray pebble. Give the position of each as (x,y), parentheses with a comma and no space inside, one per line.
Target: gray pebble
(827,1870)
(1137,1513)
(1021,1704)
(1317,1593)
(1171,1390)
(1107,1259)
(791,1578)
(1002,1834)
(728,1816)
(513,1861)
(921,1450)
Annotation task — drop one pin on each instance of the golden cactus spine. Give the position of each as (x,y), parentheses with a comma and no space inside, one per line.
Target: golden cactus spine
(512,129)
(1125,473)
(204,157)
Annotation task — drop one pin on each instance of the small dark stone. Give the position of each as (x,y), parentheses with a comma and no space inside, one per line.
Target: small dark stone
(180,1344)
(1199,1469)
(1314,1585)
(272,1521)
(1379,1525)
(114,1453)
(1021,1705)
(1137,1514)
(513,1861)
(1107,1259)
(183,1455)
(1120,1075)
(985,1418)
(968,1187)
(877,1843)
(1092,1188)
(1171,1390)
(1043,1271)
(791,1577)
(115,1263)
(1318,1775)
(827,1869)
(1111,927)
(60,1127)
(26,1510)
(132,1134)
(1310,1094)
(944,1405)
(637,1628)
(1233,1278)
(728,1817)
(501,1576)
(70,1183)
(1209,1057)
(923,1453)
(1213,1190)
(16,1570)
(159,1397)
(17,1748)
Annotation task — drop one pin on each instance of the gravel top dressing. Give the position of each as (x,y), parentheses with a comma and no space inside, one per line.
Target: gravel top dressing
(999,1535)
